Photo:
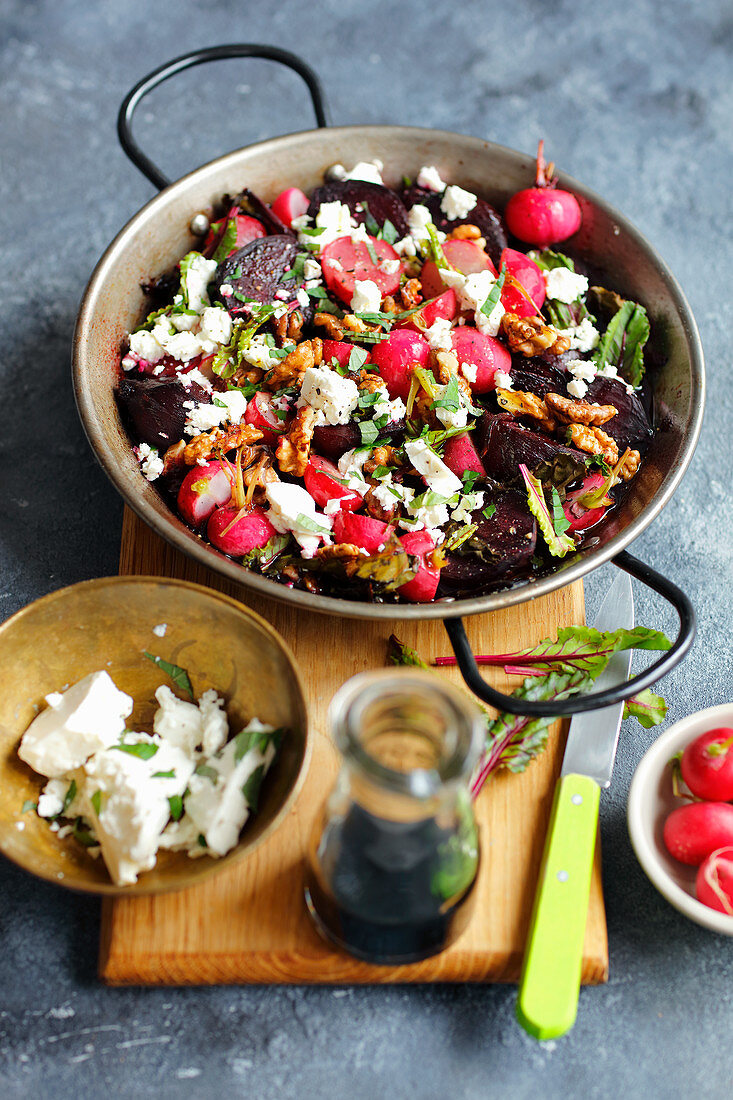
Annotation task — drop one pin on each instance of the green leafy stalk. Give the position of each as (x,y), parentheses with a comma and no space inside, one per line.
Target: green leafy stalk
(436,249)
(558,542)
(649,709)
(493,299)
(228,242)
(178,675)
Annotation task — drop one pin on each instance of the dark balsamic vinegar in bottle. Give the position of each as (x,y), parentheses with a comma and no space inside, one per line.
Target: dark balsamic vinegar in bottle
(394,855)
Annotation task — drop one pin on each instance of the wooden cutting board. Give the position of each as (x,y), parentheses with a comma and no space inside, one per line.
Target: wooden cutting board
(249,923)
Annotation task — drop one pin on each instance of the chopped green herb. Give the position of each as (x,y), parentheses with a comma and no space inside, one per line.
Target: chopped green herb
(83,835)
(228,242)
(309,524)
(488,511)
(559,520)
(357,358)
(207,772)
(178,675)
(68,798)
(29,804)
(165,775)
(251,788)
(388,232)
(143,749)
(495,296)
(369,432)
(175,802)
(96,801)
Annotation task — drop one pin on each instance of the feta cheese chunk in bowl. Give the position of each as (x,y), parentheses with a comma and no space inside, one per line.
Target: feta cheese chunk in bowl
(78,670)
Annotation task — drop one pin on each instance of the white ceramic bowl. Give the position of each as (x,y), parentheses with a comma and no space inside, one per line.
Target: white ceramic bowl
(651,800)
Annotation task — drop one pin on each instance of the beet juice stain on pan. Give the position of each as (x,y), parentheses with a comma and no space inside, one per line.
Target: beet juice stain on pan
(156,238)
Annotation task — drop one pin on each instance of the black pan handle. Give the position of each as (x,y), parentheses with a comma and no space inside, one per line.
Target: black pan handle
(188,61)
(593,700)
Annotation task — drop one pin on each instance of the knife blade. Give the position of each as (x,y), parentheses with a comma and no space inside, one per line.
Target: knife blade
(547,1004)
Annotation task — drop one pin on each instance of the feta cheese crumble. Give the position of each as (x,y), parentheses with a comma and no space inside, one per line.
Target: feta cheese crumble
(367,297)
(368,170)
(227,407)
(564,285)
(437,475)
(583,337)
(457,203)
(438,335)
(429,178)
(150,461)
(293,509)
(329,394)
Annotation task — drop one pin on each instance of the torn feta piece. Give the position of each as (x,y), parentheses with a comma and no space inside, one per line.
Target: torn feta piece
(126,797)
(457,203)
(189,726)
(143,345)
(429,178)
(150,461)
(334,218)
(467,504)
(564,285)
(293,509)
(583,337)
(438,335)
(216,326)
(350,467)
(472,291)
(196,274)
(226,407)
(367,297)
(438,476)
(220,800)
(470,371)
(418,219)
(368,170)
(87,717)
(583,372)
(502,380)
(52,797)
(332,397)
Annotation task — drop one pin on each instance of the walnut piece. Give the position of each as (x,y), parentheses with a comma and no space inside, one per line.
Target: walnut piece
(293,449)
(173,457)
(531,336)
(594,441)
(220,440)
(411,293)
(370,383)
(248,374)
(446,367)
(289,327)
(629,465)
(523,403)
(327,321)
(579,412)
(345,552)
(465,233)
(382,456)
(290,370)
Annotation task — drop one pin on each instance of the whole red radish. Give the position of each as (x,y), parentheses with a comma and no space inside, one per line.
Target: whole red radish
(707,765)
(235,531)
(202,490)
(289,204)
(396,357)
(714,882)
(692,832)
(543,214)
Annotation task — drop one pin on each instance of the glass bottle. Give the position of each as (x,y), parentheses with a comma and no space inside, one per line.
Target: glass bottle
(393,856)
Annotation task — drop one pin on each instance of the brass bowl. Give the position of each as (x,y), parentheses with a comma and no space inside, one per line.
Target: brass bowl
(106,624)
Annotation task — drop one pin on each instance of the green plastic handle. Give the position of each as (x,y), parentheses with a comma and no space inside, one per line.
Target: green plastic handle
(550,983)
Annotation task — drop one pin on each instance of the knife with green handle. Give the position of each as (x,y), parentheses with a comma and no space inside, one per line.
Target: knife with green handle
(548,992)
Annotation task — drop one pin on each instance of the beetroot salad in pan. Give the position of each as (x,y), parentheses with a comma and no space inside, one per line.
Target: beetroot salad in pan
(390,394)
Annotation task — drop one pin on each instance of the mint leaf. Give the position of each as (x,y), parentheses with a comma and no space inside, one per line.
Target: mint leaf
(369,432)
(176,804)
(494,297)
(309,524)
(29,804)
(357,358)
(143,750)
(164,775)
(251,788)
(489,511)
(559,520)
(207,772)
(96,801)
(178,675)
(68,798)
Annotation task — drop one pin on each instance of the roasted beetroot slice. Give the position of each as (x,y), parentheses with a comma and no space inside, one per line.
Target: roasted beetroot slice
(334,440)
(507,444)
(501,548)
(153,408)
(384,205)
(483,216)
(256,271)
(253,204)
(534,376)
(630,427)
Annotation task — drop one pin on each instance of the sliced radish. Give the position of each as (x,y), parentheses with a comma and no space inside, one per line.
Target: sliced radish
(260,414)
(202,490)
(363,531)
(236,532)
(580,518)
(289,204)
(397,356)
(484,353)
(464,256)
(444,307)
(423,586)
(461,455)
(528,275)
(322,482)
(346,262)
(340,351)
(248,229)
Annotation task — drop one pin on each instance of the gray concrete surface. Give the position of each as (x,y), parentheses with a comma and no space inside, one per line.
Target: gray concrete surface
(633,98)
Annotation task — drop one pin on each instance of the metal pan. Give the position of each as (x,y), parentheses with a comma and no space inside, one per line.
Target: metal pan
(156,237)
